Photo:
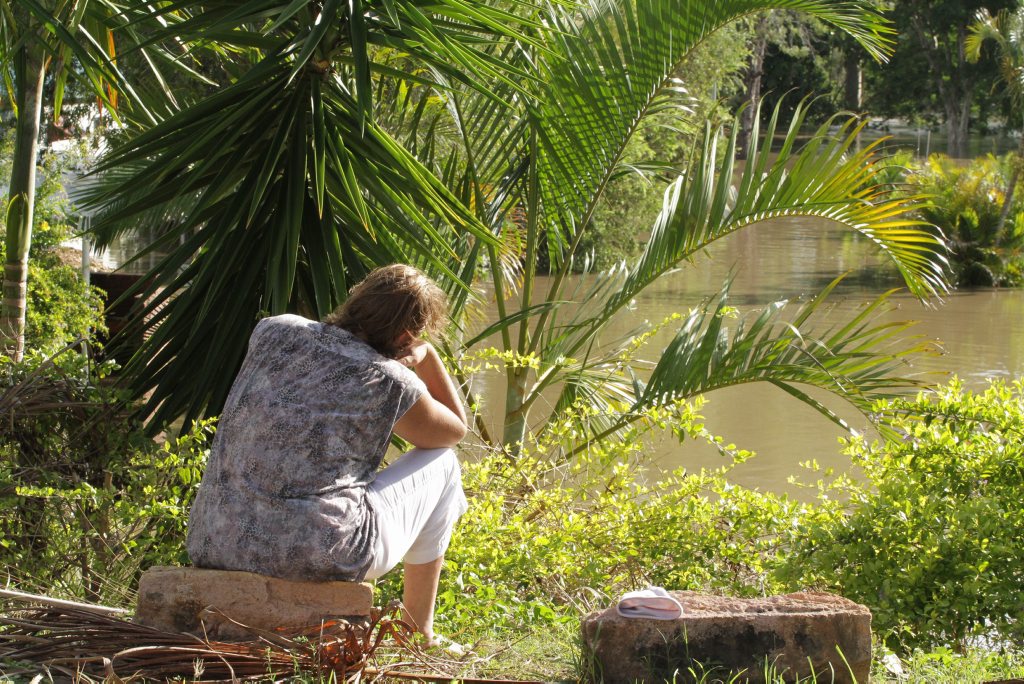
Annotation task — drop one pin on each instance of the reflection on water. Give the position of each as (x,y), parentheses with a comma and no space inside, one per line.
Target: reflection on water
(922,141)
(981,334)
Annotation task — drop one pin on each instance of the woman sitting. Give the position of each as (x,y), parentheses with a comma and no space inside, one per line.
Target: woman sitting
(292,489)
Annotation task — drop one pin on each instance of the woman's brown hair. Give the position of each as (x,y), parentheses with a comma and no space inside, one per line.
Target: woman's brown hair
(390,301)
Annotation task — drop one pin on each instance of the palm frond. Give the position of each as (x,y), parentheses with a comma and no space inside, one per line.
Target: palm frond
(291,188)
(1006,30)
(857,359)
(608,73)
(827,178)
(85,641)
(84,41)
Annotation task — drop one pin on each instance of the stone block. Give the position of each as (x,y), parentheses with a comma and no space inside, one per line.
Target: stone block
(196,600)
(794,635)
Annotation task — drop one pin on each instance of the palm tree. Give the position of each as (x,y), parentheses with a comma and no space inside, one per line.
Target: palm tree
(605,70)
(1006,30)
(286,184)
(279,187)
(65,40)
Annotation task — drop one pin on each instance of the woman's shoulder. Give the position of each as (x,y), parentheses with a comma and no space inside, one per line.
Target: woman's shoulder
(285,321)
(398,373)
(295,329)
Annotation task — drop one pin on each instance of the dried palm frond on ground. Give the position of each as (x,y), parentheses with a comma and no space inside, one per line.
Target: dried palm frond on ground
(85,644)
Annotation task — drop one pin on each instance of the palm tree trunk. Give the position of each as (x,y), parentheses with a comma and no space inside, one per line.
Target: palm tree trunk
(515,412)
(1011,187)
(853,82)
(752,80)
(29,69)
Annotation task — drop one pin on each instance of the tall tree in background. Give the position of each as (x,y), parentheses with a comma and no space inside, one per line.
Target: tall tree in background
(930,64)
(62,40)
(1006,31)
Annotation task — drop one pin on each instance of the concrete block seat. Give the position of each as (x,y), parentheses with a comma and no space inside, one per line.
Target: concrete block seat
(793,634)
(196,599)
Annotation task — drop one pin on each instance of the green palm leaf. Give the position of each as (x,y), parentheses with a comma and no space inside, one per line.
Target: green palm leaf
(855,359)
(608,74)
(256,237)
(827,178)
(858,359)
(1006,30)
(281,188)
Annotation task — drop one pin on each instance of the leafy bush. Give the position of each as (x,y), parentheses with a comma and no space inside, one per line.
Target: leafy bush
(86,500)
(933,536)
(546,536)
(966,204)
(928,535)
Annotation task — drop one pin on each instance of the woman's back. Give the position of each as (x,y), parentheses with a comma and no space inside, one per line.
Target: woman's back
(303,432)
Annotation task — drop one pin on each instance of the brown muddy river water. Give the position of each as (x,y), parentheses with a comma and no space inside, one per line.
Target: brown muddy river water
(981,334)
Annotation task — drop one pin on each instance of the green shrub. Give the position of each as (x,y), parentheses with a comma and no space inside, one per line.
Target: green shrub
(547,536)
(86,499)
(966,202)
(933,536)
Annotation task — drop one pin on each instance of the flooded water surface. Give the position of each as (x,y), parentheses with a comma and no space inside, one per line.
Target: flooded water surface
(978,335)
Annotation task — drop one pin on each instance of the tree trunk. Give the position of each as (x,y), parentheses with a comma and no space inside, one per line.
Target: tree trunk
(515,413)
(1017,161)
(954,86)
(29,72)
(752,80)
(853,89)
(960,100)
(958,119)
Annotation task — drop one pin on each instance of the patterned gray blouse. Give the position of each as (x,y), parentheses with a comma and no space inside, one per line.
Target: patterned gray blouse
(302,434)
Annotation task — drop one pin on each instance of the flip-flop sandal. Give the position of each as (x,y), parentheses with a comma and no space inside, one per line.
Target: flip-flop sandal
(443,642)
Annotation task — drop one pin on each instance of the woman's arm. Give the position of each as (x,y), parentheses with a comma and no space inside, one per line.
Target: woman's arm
(438,418)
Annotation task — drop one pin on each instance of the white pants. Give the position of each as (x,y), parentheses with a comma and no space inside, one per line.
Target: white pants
(417,500)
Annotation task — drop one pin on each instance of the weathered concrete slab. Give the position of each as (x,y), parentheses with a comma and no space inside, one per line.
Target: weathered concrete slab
(180,599)
(796,634)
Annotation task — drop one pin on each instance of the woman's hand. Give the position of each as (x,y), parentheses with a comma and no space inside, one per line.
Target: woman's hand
(414,353)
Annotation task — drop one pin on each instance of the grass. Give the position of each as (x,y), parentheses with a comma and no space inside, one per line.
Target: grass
(551,653)
(940,665)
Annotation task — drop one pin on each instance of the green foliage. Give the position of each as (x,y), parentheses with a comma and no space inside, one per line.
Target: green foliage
(975,665)
(966,201)
(86,499)
(928,536)
(547,535)
(61,308)
(934,529)
(710,76)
